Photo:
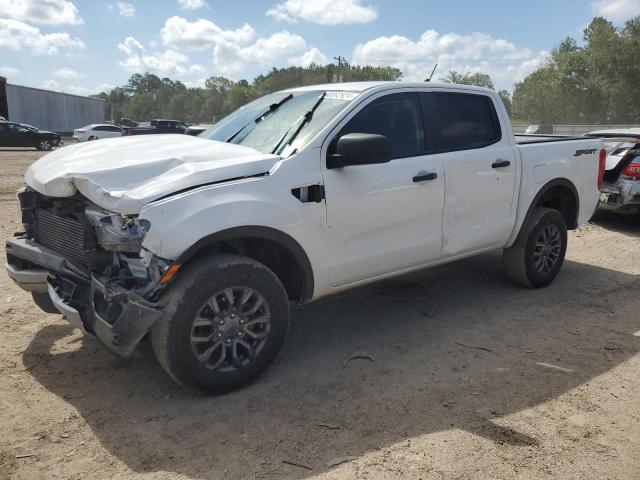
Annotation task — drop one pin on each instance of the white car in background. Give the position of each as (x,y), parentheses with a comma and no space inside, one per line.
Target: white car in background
(96,132)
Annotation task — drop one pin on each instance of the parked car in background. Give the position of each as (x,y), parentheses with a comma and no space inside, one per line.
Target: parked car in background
(539,130)
(196,129)
(620,190)
(96,132)
(157,126)
(20,135)
(203,242)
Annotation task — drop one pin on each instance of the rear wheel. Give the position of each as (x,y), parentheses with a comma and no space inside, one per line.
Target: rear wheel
(226,319)
(537,255)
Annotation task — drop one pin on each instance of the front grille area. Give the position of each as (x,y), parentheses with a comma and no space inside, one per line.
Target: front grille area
(61,234)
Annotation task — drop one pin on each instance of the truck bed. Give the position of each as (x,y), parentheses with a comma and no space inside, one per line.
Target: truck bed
(526,139)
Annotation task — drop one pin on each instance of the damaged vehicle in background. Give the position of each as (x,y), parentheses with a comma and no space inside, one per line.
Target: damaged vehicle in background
(620,190)
(201,243)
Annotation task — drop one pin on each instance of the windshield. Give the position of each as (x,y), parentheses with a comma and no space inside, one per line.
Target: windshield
(280,123)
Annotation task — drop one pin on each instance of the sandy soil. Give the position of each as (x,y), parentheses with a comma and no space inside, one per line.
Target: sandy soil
(554,393)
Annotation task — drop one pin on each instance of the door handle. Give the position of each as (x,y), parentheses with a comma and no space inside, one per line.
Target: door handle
(500,164)
(425,176)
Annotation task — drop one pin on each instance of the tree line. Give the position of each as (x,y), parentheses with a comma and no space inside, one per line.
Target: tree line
(147,96)
(597,81)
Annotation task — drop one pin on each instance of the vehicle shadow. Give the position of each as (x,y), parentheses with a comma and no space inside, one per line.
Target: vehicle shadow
(313,406)
(626,224)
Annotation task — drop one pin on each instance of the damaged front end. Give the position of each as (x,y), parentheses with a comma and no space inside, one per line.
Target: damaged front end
(89,265)
(620,190)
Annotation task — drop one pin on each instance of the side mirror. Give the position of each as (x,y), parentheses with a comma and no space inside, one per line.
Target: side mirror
(360,149)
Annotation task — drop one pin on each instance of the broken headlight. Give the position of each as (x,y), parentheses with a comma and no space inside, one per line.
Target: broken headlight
(116,232)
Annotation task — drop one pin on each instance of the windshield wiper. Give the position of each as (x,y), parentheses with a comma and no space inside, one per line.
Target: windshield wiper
(272,108)
(306,118)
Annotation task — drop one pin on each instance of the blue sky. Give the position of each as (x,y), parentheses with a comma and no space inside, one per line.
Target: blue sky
(84,46)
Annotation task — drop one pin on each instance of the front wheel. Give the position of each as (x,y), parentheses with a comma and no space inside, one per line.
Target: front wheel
(44,145)
(535,258)
(225,322)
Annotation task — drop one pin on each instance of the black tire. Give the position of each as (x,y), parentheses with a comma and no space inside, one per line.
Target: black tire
(188,298)
(522,260)
(43,300)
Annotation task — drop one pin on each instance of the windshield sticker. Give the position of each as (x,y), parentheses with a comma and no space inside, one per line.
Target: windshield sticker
(341,95)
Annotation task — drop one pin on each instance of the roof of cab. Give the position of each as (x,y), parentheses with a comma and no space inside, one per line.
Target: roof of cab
(364,86)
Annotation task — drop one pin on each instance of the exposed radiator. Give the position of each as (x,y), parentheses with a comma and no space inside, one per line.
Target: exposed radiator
(63,235)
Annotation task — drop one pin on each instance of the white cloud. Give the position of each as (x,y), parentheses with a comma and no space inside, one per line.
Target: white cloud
(191,4)
(16,35)
(616,10)
(180,34)
(125,9)
(313,55)
(476,52)
(324,12)
(50,84)
(82,90)
(235,50)
(9,71)
(66,73)
(169,62)
(231,58)
(50,12)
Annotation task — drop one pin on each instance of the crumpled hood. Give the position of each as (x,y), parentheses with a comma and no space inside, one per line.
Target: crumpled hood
(123,174)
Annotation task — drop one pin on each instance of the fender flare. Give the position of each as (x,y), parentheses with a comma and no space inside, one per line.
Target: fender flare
(265,233)
(556,182)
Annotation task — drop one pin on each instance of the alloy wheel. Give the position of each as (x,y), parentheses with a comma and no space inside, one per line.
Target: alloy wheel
(547,249)
(231,329)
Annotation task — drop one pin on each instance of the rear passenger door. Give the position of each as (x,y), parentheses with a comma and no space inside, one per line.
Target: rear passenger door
(480,170)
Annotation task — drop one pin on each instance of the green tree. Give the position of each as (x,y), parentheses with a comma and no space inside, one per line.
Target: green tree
(478,79)
(146,96)
(593,83)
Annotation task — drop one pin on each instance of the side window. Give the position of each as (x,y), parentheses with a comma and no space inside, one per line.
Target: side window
(467,121)
(113,129)
(99,129)
(397,117)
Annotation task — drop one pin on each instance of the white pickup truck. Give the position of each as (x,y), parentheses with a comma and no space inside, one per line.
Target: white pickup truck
(201,243)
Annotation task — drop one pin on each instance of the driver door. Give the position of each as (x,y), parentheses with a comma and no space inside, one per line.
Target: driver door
(384,218)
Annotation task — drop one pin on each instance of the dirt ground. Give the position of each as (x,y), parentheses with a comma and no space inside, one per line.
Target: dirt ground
(470,377)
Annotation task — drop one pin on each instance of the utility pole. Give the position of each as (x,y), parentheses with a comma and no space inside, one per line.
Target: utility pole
(342,61)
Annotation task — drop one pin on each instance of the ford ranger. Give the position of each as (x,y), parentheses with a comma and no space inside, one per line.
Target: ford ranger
(202,243)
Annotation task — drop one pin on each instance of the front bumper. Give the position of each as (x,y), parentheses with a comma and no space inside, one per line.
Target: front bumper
(117,317)
(622,196)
